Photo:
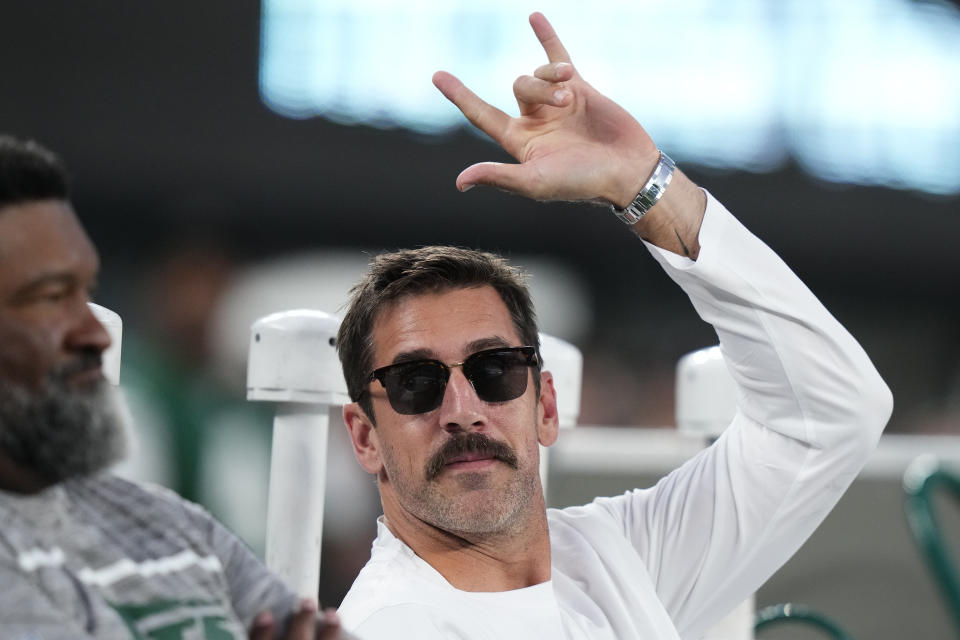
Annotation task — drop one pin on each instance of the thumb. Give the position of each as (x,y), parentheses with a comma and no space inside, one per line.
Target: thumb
(509,177)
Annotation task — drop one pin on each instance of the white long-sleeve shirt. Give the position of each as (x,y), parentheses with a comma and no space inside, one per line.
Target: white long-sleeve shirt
(669,561)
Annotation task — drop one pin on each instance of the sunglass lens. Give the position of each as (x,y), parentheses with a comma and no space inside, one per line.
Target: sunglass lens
(497,376)
(416,387)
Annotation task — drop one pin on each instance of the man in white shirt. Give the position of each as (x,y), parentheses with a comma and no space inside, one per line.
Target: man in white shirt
(440,354)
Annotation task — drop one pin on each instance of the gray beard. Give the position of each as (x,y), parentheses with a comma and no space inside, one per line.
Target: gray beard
(61,433)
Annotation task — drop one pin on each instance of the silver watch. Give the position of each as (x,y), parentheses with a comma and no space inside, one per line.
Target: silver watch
(651,193)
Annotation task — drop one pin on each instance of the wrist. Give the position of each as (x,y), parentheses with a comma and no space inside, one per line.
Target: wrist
(632,178)
(649,194)
(674,223)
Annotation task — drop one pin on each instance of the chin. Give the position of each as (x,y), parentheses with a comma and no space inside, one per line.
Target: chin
(61,432)
(489,510)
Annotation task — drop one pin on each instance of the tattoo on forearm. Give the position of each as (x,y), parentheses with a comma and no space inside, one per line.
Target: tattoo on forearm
(686,251)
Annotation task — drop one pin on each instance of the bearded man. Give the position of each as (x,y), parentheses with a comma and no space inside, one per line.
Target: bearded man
(83,553)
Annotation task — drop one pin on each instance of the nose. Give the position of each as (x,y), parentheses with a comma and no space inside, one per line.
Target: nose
(461,409)
(88,333)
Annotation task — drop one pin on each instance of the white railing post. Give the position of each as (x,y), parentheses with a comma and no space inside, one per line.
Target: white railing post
(112,322)
(293,362)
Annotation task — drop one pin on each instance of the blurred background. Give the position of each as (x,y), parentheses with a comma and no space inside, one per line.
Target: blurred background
(233,157)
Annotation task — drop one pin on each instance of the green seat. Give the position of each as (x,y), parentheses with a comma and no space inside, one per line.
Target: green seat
(780,614)
(923,479)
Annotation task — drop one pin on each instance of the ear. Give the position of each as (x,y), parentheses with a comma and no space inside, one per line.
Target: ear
(363,436)
(548,422)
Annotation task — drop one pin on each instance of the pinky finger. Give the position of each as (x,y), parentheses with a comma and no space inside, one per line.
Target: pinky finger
(548,38)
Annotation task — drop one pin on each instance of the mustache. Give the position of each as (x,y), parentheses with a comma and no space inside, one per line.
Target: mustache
(84,361)
(469,443)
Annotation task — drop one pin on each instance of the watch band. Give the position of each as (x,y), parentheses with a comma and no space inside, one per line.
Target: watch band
(651,193)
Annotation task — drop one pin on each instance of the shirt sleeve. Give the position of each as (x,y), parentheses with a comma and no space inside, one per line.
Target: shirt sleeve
(252,587)
(811,408)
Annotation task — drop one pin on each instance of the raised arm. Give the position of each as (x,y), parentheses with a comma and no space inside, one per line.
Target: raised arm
(811,405)
(573,143)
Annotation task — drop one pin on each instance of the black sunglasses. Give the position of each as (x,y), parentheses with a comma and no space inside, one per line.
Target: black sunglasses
(417,386)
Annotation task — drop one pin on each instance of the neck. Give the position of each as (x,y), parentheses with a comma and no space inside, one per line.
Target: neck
(514,558)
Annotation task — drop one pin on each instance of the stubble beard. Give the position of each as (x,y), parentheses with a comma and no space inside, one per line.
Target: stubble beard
(58,432)
(471,503)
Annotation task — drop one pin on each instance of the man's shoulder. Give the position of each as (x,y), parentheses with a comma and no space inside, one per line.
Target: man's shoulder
(108,491)
(393,585)
(387,580)
(602,513)
(602,528)
(393,599)
(111,486)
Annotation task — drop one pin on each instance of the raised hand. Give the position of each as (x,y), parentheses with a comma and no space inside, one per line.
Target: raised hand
(572,142)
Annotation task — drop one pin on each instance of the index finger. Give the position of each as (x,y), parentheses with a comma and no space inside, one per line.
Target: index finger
(548,38)
(482,115)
